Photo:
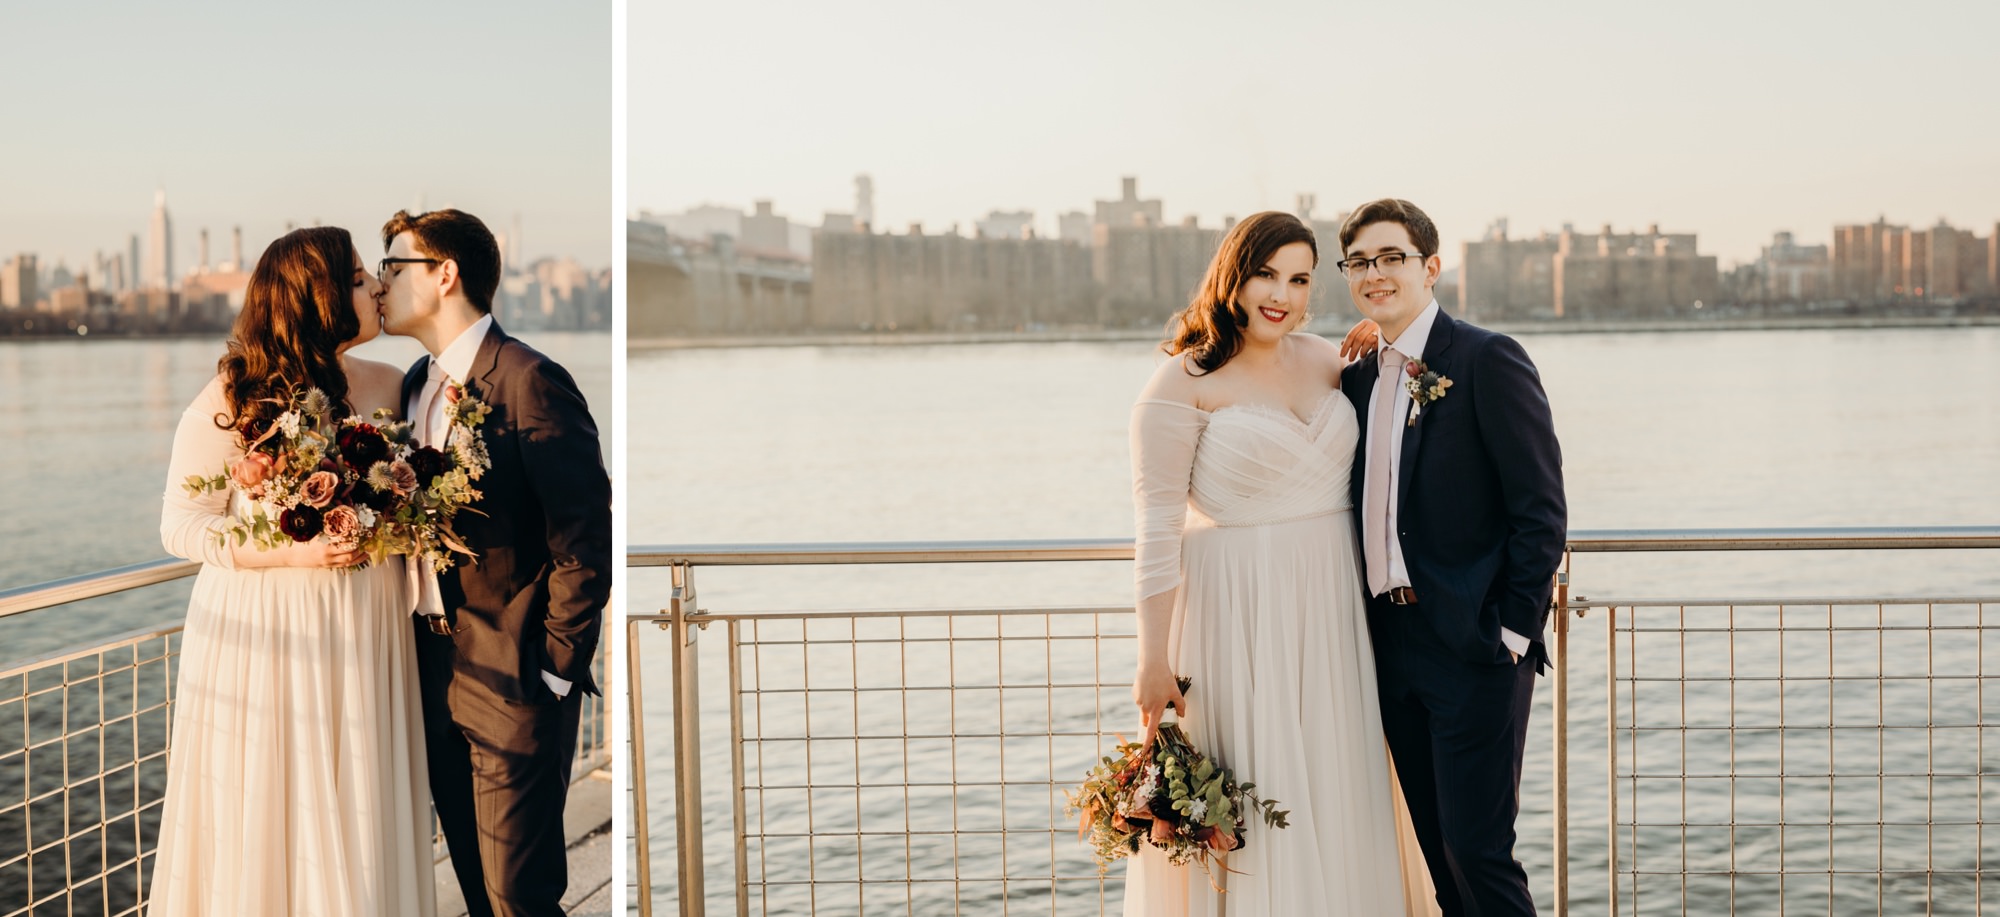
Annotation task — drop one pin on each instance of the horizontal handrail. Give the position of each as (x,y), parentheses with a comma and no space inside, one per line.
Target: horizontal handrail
(1594,541)
(93,585)
(1590,541)
(880,552)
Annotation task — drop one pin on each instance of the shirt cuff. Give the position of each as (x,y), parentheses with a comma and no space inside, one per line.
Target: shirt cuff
(555,684)
(1514,641)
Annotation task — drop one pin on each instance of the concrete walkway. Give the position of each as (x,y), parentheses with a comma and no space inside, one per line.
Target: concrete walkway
(587,827)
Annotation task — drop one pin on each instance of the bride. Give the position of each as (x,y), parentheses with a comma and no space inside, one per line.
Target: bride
(295,782)
(1248,583)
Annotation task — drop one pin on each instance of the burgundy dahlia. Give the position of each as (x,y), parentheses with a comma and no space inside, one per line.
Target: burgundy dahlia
(300,522)
(362,445)
(429,463)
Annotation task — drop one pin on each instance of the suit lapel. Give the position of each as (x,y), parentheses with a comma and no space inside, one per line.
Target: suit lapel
(411,380)
(1436,360)
(487,361)
(1365,373)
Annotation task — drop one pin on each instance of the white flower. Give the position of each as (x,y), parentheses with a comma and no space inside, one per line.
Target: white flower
(367,516)
(289,422)
(1200,809)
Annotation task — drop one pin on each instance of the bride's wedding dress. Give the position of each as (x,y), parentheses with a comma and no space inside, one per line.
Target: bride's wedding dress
(1245,509)
(295,780)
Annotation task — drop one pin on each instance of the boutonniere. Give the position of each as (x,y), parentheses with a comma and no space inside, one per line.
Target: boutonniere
(1425,387)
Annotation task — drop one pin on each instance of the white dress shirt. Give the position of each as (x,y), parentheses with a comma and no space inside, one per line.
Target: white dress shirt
(1411,345)
(456,362)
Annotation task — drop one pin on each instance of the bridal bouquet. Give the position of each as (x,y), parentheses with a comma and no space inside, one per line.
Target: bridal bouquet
(354,482)
(1169,795)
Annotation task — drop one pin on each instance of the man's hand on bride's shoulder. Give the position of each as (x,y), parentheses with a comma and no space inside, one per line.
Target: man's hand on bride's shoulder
(1361,340)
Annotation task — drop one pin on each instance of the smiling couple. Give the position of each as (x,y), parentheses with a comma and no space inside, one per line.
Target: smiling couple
(1337,574)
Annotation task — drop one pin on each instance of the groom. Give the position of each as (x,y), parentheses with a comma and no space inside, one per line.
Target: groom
(1462,523)
(504,639)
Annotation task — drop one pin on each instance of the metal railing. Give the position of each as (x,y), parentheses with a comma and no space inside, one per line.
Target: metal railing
(84,741)
(853,789)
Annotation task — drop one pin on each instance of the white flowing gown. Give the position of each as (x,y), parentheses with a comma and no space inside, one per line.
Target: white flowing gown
(295,780)
(1246,512)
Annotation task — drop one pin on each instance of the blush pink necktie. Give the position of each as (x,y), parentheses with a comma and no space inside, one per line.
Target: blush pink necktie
(1375,495)
(422,580)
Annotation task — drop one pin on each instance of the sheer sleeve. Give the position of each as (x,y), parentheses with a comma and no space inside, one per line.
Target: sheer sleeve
(189,525)
(1163,440)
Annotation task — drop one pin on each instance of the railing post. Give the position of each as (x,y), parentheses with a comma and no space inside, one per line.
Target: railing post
(1611,748)
(687,743)
(737,802)
(1561,703)
(642,835)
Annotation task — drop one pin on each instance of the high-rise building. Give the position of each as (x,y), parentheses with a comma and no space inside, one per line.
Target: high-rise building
(1790,272)
(19,283)
(236,249)
(1128,209)
(159,272)
(201,267)
(1007,224)
(766,231)
(1074,226)
(1857,258)
(130,281)
(864,203)
(1879,262)
(1631,275)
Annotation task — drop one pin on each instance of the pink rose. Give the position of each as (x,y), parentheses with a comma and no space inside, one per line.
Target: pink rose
(403,477)
(343,526)
(1415,368)
(1163,833)
(453,393)
(251,470)
(319,488)
(1222,840)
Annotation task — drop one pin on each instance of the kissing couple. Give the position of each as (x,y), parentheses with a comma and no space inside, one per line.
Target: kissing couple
(1348,548)
(337,681)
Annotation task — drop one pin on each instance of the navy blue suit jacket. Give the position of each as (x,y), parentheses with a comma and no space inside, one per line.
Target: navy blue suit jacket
(535,595)
(1480,510)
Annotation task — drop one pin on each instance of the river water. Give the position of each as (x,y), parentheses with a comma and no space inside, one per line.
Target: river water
(85,431)
(1001,441)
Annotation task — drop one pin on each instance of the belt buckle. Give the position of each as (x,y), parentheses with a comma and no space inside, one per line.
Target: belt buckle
(438,625)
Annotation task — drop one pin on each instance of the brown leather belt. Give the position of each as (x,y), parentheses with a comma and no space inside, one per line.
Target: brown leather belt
(437,624)
(1402,595)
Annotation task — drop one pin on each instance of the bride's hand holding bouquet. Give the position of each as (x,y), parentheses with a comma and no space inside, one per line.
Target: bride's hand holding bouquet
(1164,792)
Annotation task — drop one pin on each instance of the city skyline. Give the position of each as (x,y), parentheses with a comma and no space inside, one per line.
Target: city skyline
(404,106)
(184,246)
(1735,122)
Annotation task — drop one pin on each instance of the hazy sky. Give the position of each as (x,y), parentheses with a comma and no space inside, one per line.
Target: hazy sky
(262,113)
(1732,120)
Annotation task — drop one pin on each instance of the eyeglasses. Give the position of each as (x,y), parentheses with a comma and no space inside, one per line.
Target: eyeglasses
(1356,268)
(382,267)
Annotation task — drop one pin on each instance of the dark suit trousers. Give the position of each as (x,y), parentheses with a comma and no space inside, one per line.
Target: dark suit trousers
(500,775)
(1456,731)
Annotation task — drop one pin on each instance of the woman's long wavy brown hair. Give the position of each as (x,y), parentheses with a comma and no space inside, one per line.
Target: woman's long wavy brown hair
(1210,329)
(297,312)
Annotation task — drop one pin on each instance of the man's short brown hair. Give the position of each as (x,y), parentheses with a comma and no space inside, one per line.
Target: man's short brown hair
(1423,232)
(454,235)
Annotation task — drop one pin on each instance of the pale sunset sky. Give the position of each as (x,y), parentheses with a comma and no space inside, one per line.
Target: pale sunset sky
(1730,120)
(259,114)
